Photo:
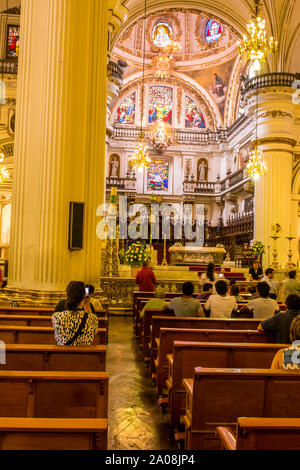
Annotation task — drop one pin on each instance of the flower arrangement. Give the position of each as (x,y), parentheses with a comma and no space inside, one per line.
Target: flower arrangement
(136,254)
(257,248)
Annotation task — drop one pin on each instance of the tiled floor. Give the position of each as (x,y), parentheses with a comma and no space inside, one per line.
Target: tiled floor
(135,420)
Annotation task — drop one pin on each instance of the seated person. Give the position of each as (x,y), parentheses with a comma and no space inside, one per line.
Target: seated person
(292,286)
(186,306)
(207,291)
(235,291)
(280,324)
(221,305)
(61,306)
(263,306)
(94,302)
(255,272)
(269,275)
(75,326)
(232,282)
(156,302)
(252,290)
(289,358)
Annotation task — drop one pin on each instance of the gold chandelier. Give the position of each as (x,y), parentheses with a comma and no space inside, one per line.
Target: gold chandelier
(257,47)
(4,175)
(140,158)
(256,166)
(172,48)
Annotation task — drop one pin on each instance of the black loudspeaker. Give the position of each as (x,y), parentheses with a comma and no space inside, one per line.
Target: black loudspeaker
(76,225)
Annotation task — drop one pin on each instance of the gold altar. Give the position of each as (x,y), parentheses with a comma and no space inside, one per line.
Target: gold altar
(189,255)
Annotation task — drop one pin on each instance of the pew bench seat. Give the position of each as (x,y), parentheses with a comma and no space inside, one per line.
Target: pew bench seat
(53,434)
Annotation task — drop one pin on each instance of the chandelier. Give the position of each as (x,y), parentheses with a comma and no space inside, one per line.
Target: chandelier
(4,175)
(172,48)
(140,158)
(256,166)
(257,47)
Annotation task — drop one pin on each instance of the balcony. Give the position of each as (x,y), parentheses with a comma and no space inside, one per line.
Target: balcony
(269,80)
(203,187)
(9,66)
(127,184)
(179,136)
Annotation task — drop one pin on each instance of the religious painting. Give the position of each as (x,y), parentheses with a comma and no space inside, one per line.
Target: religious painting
(162,34)
(213,31)
(244,154)
(13,41)
(126,110)
(202,170)
(216,81)
(248,204)
(114,166)
(11,121)
(193,116)
(160,104)
(158,176)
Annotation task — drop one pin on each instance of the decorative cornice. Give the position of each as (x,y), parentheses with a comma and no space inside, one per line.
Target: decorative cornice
(13,11)
(276,140)
(276,114)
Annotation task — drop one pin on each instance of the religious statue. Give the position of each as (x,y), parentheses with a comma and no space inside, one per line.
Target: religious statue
(188,167)
(202,171)
(114,165)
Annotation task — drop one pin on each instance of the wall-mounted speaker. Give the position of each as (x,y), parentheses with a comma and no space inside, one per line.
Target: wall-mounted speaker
(76,219)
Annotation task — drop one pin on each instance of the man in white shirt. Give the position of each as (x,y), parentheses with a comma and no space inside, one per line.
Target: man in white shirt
(221,305)
(269,274)
(263,306)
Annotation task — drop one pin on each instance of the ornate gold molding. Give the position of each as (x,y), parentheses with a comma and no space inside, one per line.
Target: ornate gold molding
(276,114)
(276,140)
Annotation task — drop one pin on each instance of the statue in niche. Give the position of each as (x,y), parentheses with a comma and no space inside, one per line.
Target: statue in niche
(202,170)
(188,167)
(114,163)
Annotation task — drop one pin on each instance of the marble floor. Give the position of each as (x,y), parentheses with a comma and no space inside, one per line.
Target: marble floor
(135,420)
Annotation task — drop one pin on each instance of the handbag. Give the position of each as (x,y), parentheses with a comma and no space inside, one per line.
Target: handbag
(79,331)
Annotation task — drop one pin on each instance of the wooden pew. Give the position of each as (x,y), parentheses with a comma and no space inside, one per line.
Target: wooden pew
(37,335)
(137,295)
(216,397)
(56,358)
(53,434)
(262,434)
(35,311)
(146,334)
(188,355)
(169,335)
(192,322)
(38,320)
(36,394)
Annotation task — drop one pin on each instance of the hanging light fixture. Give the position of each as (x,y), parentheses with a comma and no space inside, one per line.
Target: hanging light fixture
(140,158)
(256,166)
(257,47)
(172,48)
(4,175)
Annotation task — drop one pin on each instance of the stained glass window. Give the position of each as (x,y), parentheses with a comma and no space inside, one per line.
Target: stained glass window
(162,34)
(193,115)
(158,176)
(13,41)
(213,31)
(160,104)
(126,110)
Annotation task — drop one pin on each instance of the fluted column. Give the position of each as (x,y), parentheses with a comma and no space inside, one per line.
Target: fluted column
(60,141)
(273,192)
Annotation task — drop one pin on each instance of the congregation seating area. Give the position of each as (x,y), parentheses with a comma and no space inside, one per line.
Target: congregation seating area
(213,379)
(52,397)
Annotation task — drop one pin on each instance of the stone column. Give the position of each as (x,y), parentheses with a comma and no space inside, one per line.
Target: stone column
(59,142)
(273,191)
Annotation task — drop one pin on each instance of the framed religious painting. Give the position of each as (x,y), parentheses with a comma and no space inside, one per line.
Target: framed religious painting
(12,42)
(158,177)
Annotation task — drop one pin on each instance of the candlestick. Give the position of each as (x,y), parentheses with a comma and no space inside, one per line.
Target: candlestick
(290,265)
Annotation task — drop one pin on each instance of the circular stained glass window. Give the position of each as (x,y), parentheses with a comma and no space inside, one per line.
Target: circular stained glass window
(213,31)
(162,34)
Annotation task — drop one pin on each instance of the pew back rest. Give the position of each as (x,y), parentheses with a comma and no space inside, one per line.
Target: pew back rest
(53,394)
(38,320)
(222,395)
(37,335)
(268,434)
(169,335)
(188,355)
(56,358)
